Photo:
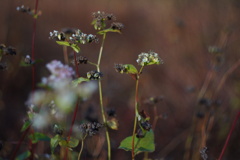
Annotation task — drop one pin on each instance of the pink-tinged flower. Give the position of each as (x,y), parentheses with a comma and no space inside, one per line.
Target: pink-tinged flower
(59,73)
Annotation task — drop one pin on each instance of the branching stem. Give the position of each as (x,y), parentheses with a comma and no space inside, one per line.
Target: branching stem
(136,113)
(101,97)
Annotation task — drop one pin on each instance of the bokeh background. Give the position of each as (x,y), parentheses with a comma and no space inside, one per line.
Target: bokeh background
(179,30)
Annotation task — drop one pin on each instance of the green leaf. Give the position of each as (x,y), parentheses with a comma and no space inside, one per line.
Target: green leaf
(131,69)
(113,124)
(26,125)
(72,143)
(63,43)
(54,142)
(79,80)
(23,64)
(108,30)
(37,136)
(23,156)
(75,47)
(145,144)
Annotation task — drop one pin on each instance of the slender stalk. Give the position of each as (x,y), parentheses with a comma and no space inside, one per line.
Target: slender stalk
(20,142)
(75,110)
(136,113)
(226,75)
(135,119)
(82,144)
(229,135)
(33,77)
(65,55)
(33,45)
(94,64)
(101,96)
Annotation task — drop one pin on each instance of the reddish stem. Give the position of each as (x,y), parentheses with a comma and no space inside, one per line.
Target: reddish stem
(75,110)
(20,142)
(33,78)
(229,135)
(33,45)
(76,65)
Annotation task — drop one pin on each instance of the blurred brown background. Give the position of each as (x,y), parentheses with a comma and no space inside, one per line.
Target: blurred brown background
(179,30)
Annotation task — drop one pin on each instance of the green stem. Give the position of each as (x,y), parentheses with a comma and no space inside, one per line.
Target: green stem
(136,113)
(94,64)
(101,97)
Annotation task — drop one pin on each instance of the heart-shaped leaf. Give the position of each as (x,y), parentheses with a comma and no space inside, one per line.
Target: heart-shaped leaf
(145,144)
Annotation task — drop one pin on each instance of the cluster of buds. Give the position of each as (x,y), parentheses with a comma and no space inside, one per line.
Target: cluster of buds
(57,129)
(94,75)
(214,49)
(28,60)
(28,10)
(90,128)
(121,68)
(144,124)
(117,26)
(77,37)
(56,35)
(80,60)
(83,38)
(149,58)
(7,50)
(99,19)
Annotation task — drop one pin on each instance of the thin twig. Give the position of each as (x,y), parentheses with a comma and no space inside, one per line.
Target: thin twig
(229,135)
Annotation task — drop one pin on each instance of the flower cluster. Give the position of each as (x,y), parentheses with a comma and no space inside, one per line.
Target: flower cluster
(28,60)
(83,38)
(90,128)
(80,60)
(7,50)
(121,68)
(77,37)
(214,49)
(28,10)
(94,75)
(99,19)
(59,73)
(56,35)
(117,26)
(149,58)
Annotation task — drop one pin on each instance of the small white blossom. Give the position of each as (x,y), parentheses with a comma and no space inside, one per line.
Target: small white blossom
(149,59)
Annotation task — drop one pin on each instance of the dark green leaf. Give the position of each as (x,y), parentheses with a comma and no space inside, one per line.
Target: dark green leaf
(36,136)
(79,80)
(23,156)
(26,125)
(145,144)
(54,142)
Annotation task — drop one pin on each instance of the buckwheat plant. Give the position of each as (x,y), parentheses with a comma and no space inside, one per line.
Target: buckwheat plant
(100,24)
(143,139)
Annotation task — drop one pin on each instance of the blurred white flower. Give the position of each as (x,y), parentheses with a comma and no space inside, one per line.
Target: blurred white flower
(85,90)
